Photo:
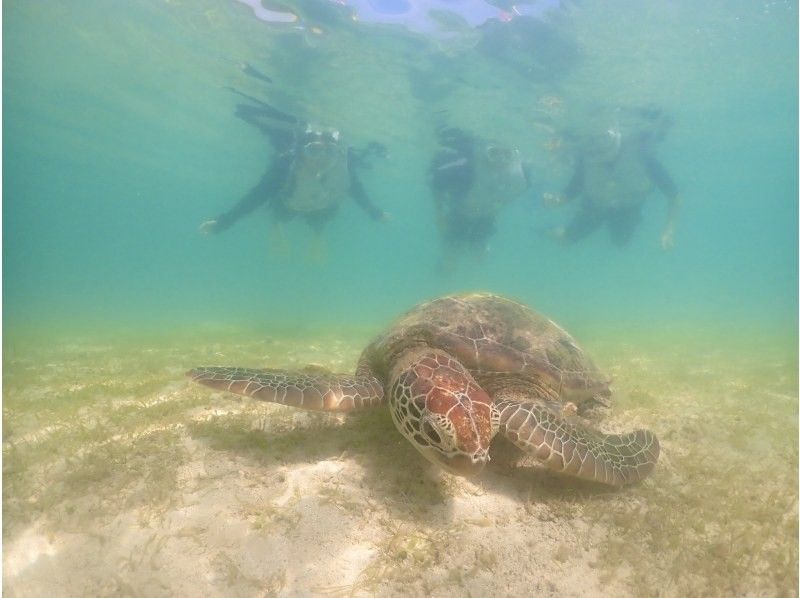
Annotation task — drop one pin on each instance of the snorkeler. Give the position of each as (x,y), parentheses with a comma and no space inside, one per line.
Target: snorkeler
(472,181)
(615,172)
(312,172)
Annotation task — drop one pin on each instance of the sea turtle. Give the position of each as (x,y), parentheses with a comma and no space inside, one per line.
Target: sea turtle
(460,369)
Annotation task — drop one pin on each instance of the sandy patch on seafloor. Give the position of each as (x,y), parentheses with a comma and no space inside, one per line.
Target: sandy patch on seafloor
(236,528)
(120,478)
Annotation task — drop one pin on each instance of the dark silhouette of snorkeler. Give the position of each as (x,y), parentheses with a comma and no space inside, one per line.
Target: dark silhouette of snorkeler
(615,172)
(312,172)
(472,181)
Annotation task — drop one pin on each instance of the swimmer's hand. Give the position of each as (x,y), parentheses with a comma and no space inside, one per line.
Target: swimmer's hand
(208,227)
(667,242)
(552,200)
(384,216)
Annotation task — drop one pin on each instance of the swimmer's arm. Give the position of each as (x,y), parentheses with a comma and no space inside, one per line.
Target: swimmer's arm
(261,194)
(252,114)
(573,189)
(673,208)
(662,179)
(278,126)
(359,194)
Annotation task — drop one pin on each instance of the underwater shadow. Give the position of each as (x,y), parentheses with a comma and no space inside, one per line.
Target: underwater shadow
(394,472)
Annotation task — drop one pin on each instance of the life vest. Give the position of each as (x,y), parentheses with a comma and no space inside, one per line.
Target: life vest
(319,177)
(495,185)
(620,183)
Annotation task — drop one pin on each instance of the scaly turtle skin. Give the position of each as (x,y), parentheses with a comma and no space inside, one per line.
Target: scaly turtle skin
(458,370)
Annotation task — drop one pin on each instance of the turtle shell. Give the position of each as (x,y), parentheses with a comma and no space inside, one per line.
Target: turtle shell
(496,338)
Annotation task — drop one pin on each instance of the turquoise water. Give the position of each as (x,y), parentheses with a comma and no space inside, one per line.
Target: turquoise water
(120,140)
(121,477)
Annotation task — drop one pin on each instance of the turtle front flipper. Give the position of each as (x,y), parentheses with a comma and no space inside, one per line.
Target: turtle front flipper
(312,388)
(572,449)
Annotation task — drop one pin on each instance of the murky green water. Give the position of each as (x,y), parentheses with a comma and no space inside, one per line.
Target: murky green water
(120,477)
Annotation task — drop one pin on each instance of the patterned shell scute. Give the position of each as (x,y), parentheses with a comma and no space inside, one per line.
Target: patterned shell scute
(494,335)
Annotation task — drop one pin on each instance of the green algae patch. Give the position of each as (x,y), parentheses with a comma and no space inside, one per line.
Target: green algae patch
(719,515)
(88,432)
(109,451)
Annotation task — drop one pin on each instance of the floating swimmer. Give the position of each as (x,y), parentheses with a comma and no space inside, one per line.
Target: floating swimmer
(472,181)
(616,170)
(313,172)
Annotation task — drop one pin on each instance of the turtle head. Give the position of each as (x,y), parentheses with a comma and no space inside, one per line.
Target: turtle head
(441,410)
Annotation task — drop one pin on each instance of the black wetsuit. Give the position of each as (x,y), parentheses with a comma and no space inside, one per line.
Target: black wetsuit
(277,184)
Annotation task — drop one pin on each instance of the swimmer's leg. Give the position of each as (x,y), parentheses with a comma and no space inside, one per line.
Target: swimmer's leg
(585,221)
(249,70)
(278,243)
(454,237)
(253,114)
(278,126)
(480,231)
(318,248)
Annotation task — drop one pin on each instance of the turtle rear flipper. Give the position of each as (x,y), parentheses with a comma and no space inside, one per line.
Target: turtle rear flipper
(572,449)
(312,389)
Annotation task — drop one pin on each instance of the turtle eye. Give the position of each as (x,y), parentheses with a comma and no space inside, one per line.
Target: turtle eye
(431,432)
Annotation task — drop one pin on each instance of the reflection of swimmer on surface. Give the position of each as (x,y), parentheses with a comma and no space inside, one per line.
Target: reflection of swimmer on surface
(614,173)
(312,172)
(472,181)
(529,45)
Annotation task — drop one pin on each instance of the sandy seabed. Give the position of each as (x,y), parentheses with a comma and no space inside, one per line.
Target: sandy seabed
(122,478)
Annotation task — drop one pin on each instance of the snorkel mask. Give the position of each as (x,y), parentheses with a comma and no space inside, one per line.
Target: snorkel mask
(501,156)
(321,146)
